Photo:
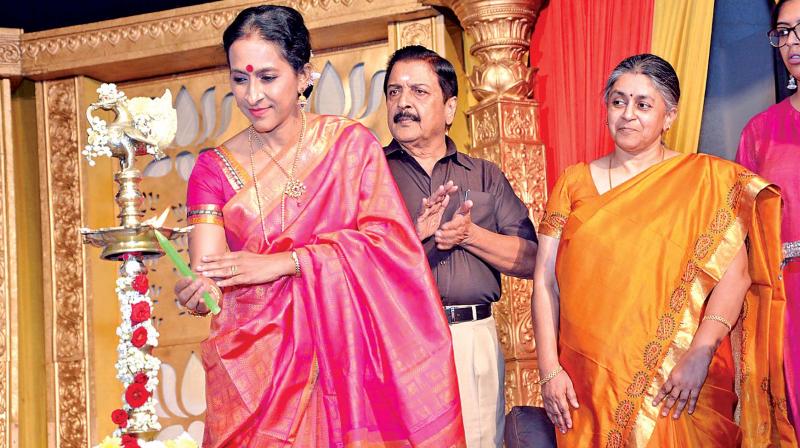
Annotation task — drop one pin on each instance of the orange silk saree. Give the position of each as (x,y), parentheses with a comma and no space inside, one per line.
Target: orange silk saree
(634,268)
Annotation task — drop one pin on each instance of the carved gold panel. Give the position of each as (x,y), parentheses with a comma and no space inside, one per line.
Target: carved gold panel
(65,304)
(189,38)
(10,52)
(506,132)
(428,32)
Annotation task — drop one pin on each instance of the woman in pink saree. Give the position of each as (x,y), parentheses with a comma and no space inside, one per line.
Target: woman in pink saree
(331,332)
(770,146)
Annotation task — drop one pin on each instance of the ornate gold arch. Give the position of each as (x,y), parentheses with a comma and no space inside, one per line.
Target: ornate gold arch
(503,127)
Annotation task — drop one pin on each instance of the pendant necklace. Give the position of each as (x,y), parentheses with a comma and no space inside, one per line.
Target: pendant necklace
(294,188)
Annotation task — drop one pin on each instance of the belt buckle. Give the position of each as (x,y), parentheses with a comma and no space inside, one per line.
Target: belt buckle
(450,313)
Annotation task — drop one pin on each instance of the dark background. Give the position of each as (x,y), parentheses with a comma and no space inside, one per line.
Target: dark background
(38,15)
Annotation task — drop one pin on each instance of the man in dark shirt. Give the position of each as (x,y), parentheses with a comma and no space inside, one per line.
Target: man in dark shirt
(471,224)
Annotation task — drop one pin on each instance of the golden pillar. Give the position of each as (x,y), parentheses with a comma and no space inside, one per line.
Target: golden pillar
(10,69)
(504,128)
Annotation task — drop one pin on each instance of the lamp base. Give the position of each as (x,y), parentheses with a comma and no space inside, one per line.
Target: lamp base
(119,241)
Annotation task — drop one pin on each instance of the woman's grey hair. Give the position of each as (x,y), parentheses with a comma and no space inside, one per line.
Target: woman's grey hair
(660,72)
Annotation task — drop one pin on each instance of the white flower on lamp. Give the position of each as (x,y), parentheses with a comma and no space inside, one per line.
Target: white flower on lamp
(156,119)
(145,125)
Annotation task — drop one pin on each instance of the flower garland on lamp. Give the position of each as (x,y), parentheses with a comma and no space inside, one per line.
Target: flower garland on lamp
(137,368)
(142,126)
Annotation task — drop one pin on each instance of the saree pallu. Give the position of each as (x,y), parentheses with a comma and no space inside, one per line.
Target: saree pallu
(355,352)
(769,147)
(635,267)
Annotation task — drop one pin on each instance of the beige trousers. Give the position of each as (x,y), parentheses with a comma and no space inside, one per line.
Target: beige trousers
(480,367)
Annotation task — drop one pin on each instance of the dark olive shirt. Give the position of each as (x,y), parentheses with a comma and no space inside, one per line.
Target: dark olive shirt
(463,278)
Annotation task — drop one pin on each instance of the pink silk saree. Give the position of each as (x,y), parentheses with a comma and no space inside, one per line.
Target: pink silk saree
(356,352)
(770,146)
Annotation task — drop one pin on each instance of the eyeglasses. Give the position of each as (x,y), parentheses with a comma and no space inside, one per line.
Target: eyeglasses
(780,36)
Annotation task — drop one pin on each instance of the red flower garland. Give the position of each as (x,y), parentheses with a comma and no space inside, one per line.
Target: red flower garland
(140,378)
(139,337)
(136,395)
(140,284)
(140,312)
(130,441)
(120,418)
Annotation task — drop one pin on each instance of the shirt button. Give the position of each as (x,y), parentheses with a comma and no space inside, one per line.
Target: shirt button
(442,262)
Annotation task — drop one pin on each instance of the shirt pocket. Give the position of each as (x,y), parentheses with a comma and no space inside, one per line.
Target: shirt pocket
(483,205)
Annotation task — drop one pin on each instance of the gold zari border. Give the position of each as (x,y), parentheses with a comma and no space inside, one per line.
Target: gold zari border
(708,259)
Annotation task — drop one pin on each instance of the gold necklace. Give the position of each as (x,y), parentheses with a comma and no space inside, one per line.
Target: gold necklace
(293,187)
(611,159)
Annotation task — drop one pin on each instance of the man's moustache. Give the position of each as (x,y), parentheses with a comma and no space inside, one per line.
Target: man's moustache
(401,115)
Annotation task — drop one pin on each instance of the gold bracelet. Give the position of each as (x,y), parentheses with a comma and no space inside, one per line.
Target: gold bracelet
(214,291)
(296,264)
(550,376)
(720,319)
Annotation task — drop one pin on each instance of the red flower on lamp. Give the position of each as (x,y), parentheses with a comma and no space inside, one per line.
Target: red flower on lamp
(140,378)
(139,337)
(120,418)
(129,441)
(140,312)
(136,395)
(140,284)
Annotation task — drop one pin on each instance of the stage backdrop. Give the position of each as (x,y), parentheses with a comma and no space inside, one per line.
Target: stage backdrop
(58,309)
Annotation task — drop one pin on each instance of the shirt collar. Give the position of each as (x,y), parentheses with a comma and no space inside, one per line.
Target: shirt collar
(451,151)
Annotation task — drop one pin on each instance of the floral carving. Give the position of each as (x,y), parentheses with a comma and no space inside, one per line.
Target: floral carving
(502,38)
(498,136)
(72,427)
(518,124)
(153,30)
(64,175)
(486,127)
(416,34)
(67,264)
(10,53)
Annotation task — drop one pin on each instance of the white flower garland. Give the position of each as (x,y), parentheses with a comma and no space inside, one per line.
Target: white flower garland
(183,441)
(132,360)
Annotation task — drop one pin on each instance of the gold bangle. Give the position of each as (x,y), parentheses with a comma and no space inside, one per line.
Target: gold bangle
(550,376)
(214,291)
(194,313)
(296,264)
(720,319)
(217,293)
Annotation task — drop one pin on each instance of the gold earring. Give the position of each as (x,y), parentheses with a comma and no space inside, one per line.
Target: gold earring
(302,101)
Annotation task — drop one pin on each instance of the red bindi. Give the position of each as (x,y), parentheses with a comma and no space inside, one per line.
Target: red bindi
(249,68)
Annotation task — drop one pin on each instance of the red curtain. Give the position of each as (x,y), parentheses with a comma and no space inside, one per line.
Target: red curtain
(575,45)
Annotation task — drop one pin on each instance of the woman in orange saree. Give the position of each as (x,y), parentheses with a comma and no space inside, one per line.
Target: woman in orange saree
(658,300)
(331,332)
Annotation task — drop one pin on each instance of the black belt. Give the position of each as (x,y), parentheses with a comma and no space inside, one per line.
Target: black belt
(467,313)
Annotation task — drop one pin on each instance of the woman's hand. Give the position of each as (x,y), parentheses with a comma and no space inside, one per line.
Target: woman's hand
(558,395)
(685,381)
(190,294)
(246,268)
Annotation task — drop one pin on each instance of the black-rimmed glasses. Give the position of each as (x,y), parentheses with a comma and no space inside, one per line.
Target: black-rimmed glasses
(780,36)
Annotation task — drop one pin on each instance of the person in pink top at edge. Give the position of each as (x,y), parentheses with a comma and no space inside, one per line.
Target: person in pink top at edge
(331,333)
(770,146)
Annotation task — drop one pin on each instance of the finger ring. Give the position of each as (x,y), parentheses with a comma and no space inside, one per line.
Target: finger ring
(233,270)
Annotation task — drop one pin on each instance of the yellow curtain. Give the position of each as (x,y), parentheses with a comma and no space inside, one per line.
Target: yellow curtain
(682,36)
